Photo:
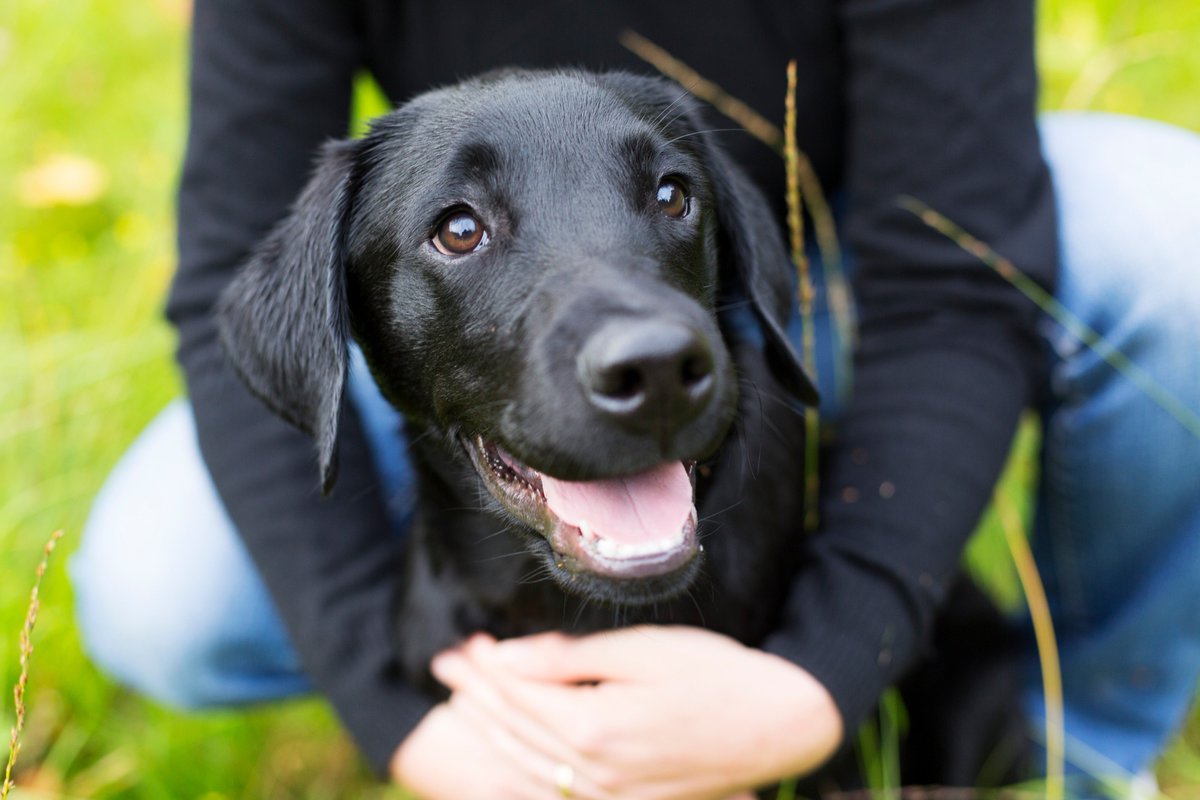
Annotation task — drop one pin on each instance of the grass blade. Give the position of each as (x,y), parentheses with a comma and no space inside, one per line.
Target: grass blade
(14,739)
(804,291)
(1186,417)
(1047,645)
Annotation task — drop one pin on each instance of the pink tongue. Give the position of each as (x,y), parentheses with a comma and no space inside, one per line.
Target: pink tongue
(640,508)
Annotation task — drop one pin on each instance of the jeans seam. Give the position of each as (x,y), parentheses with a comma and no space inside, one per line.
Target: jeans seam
(1060,494)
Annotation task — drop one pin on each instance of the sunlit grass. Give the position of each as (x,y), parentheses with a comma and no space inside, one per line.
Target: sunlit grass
(91,109)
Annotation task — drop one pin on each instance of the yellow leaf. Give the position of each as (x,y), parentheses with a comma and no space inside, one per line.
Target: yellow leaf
(63,179)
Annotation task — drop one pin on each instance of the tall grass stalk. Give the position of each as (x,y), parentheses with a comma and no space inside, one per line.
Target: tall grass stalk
(1047,645)
(809,185)
(26,645)
(754,123)
(1186,417)
(804,292)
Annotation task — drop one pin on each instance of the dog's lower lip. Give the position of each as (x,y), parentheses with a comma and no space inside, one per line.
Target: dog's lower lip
(519,489)
(630,561)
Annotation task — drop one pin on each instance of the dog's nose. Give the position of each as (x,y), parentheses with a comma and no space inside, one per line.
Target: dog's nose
(650,375)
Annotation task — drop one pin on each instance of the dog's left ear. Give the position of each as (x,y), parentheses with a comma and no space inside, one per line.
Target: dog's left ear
(284,321)
(752,248)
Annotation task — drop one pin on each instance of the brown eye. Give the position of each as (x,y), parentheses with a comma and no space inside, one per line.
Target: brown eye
(671,199)
(459,234)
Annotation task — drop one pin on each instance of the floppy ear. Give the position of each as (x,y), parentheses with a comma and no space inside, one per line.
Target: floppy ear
(753,255)
(283,320)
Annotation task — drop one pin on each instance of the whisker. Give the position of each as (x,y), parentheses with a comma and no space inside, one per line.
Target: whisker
(536,575)
(699,610)
(579,613)
(660,116)
(764,394)
(499,557)
(732,305)
(488,537)
(713,529)
(709,130)
(709,517)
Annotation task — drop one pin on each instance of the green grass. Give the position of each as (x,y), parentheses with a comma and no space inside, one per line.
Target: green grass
(95,91)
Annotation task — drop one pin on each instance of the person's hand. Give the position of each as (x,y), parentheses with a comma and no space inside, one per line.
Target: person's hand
(649,712)
(447,758)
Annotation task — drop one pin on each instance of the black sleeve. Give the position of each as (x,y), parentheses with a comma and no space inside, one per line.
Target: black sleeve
(941,106)
(270,81)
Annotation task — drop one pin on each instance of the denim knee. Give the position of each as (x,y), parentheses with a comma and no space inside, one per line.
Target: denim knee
(1128,190)
(167,599)
(1119,516)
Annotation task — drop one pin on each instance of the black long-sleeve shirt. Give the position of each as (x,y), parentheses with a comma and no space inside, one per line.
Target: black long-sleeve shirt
(921,97)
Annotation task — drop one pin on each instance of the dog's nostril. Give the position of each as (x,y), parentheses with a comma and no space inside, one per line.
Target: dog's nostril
(619,381)
(628,384)
(695,369)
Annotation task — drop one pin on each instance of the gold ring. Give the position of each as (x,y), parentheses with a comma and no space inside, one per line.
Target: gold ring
(564,777)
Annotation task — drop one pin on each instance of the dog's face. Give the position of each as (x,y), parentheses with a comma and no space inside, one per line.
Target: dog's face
(532,264)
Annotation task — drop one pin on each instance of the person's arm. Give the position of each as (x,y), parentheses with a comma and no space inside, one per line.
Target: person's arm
(941,106)
(270,81)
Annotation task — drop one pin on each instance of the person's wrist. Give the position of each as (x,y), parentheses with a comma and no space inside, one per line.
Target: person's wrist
(815,723)
(408,751)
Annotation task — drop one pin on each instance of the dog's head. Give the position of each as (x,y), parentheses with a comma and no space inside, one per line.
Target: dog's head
(532,264)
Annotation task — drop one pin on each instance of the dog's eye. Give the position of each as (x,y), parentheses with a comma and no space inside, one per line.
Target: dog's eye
(459,233)
(672,200)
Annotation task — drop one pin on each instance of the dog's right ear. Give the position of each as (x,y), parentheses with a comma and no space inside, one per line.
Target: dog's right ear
(283,320)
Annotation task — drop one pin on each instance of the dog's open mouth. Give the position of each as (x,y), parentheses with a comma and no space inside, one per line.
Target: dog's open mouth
(635,526)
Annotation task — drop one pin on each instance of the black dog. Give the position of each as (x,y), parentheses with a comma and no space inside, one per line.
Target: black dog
(532,265)
(578,303)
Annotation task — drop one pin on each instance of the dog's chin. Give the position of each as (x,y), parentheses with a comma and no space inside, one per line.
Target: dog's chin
(587,559)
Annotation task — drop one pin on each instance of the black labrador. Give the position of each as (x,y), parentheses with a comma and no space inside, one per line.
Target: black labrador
(578,302)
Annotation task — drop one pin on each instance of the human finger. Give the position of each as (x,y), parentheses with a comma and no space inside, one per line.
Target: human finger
(543,776)
(602,656)
(570,718)
(488,692)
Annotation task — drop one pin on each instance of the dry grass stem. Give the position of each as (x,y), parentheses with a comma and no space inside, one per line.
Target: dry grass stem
(761,128)
(1186,417)
(795,223)
(1047,646)
(1102,68)
(26,645)
(755,124)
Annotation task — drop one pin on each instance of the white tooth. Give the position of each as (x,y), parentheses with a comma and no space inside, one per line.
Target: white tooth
(617,550)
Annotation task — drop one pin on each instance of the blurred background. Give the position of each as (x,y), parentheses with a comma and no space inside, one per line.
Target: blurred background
(92,118)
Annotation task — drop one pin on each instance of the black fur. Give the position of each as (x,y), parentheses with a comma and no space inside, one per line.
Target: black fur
(562,167)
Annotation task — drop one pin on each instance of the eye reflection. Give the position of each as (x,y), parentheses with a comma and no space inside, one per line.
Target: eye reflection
(672,200)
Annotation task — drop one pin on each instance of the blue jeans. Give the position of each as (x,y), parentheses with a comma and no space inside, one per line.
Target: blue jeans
(189,622)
